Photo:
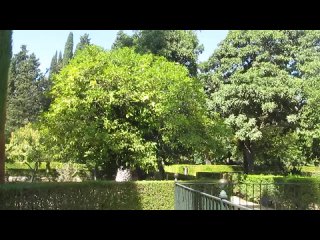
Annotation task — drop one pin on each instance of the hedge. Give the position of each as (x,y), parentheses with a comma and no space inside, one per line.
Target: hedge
(280,192)
(53,165)
(310,171)
(104,195)
(21,169)
(216,171)
(194,169)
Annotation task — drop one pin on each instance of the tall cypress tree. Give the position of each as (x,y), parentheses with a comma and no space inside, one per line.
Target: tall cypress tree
(59,62)
(53,65)
(5,56)
(25,90)
(68,50)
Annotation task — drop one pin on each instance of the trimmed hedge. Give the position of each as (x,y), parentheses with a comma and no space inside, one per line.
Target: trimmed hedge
(310,171)
(280,192)
(194,169)
(53,165)
(143,195)
(21,169)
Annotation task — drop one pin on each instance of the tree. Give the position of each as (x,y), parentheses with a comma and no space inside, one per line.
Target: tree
(309,118)
(5,56)
(120,108)
(68,50)
(254,80)
(123,40)
(60,62)
(25,92)
(84,41)
(26,146)
(180,46)
(54,65)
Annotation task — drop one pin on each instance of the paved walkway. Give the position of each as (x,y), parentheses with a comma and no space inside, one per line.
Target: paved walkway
(243,202)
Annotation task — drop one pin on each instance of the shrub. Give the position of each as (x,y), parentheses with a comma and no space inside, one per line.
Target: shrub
(144,195)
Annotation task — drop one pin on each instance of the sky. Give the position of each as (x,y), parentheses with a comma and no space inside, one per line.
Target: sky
(44,43)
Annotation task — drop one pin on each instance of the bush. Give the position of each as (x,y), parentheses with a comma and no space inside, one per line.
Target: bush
(144,195)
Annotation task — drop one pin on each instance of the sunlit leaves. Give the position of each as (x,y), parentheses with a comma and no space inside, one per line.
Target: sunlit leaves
(123,108)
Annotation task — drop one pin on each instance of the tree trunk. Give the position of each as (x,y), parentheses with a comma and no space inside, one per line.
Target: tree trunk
(5,56)
(247,156)
(2,158)
(161,169)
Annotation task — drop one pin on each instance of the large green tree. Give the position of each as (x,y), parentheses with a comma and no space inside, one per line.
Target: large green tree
(308,62)
(254,79)
(5,56)
(26,88)
(180,46)
(121,108)
(68,50)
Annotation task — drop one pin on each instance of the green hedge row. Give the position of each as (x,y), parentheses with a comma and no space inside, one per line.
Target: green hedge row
(53,165)
(143,195)
(279,192)
(21,169)
(194,169)
(310,171)
(216,171)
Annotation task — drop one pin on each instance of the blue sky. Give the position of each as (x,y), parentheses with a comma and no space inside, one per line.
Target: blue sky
(44,43)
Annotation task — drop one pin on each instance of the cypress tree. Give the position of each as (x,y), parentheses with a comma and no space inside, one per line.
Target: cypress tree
(54,65)
(59,62)
(25,90)
(5,56)
(68,50)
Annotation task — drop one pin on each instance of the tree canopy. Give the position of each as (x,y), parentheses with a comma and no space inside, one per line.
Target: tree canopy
(180,46)
(255,80)
(126,109)
(68,50)
(25,91)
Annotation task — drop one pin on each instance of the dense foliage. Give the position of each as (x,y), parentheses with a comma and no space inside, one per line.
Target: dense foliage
(180,46)
(257,81)
(26,90)
(121,108)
